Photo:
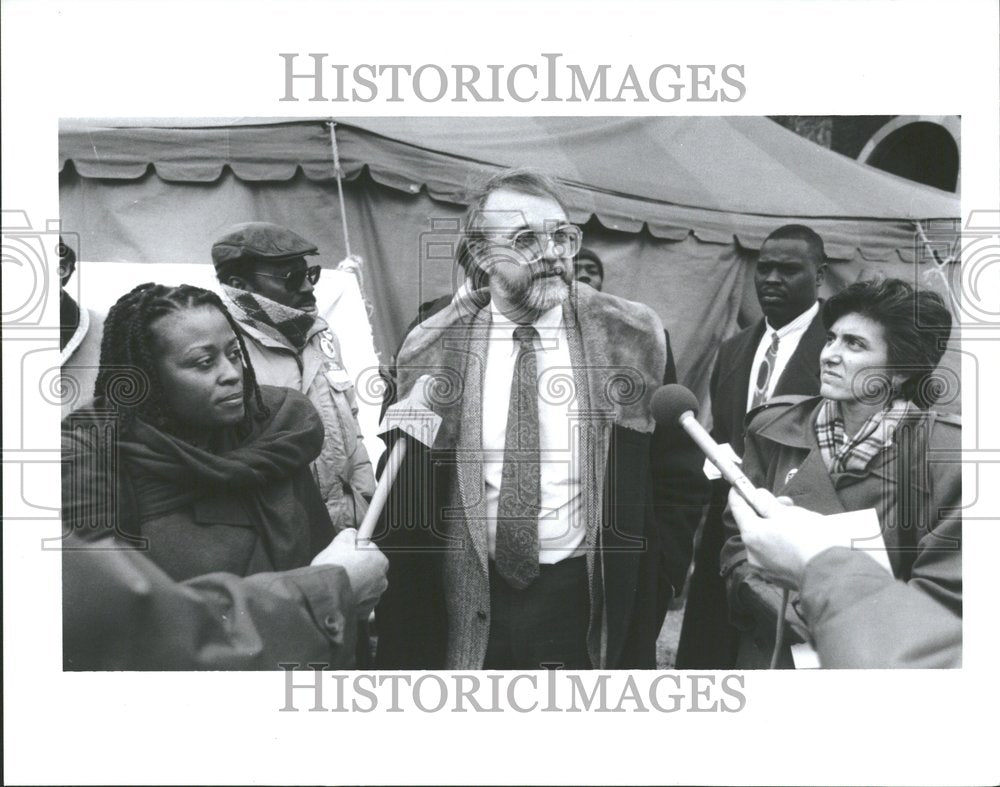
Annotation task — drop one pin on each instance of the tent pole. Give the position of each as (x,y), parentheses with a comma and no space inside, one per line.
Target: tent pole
(338,174)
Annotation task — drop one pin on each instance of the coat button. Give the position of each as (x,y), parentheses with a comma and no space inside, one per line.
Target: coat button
(481,615)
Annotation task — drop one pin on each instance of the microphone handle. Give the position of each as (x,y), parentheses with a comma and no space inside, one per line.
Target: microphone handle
(746,490)
(729,469)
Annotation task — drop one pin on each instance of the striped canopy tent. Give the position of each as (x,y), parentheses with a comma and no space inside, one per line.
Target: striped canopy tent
(676,207)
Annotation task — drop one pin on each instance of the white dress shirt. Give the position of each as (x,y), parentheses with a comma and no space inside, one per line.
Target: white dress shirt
(561,529)
(789,337)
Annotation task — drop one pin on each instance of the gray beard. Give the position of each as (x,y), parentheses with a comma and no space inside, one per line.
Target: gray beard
(538,297)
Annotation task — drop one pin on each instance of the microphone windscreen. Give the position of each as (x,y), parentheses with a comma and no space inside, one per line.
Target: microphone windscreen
(670,401)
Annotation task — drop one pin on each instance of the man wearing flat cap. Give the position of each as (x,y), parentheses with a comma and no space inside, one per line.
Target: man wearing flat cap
(268,287)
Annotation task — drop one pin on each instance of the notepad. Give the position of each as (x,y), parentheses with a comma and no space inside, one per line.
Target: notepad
(711,471)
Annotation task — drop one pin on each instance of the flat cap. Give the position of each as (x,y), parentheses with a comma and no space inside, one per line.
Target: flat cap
(259,240)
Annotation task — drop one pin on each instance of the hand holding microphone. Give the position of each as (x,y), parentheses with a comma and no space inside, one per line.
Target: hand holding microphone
(780,541)
(414,417)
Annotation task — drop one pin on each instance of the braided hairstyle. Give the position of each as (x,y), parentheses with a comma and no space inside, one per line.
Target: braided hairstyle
(128,380)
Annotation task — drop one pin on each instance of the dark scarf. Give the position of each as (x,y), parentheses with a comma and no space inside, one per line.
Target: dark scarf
(261,479)
(293,325)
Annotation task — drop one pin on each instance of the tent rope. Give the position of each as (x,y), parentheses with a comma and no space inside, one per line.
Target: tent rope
(938,269)
(338,173)
(351,263)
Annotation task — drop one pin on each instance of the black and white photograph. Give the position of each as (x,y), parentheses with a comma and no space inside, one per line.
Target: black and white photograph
(443,236)
(401,399)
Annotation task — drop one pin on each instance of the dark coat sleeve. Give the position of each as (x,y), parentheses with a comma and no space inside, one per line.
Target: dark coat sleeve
(937,566)
(680,491)
(862,618)
(121,612)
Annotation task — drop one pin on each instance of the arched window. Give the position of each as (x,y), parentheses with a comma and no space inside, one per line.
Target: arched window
(921,149)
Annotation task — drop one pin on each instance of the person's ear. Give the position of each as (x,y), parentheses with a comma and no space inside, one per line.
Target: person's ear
(820,274)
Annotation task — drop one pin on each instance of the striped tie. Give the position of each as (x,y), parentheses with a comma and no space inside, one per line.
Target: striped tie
(520,485)
(764,373)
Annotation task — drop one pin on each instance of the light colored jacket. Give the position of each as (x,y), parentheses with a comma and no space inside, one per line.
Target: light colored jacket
(343,470)
(80,360)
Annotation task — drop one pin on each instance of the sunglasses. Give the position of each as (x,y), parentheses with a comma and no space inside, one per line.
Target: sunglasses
(294,279)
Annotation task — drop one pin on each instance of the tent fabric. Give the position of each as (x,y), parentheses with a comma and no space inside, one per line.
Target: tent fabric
(162,195)
(671,176)
(338,301)
(406,242)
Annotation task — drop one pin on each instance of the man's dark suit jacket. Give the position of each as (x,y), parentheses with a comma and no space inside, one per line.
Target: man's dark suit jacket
(708,640)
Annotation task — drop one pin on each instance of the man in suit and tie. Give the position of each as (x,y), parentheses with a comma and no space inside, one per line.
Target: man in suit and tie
(777,355)
(548,525)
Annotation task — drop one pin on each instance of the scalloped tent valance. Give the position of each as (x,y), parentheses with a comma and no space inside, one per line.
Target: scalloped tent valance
(723,180)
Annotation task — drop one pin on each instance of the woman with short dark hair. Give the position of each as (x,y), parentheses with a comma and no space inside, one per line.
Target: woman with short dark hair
(867,441)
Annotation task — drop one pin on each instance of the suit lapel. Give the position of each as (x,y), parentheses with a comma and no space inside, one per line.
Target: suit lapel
(469,470)
(811,487)
(594,426)
(737,383)
(801,375)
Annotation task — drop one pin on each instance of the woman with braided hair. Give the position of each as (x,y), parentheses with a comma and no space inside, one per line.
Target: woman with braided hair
(870,440)
(183,453)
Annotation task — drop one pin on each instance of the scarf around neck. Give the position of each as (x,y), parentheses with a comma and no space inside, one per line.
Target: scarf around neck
(841,454)
(280,322)
(263,479)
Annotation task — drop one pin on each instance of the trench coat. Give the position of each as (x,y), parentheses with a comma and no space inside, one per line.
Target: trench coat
(918,504)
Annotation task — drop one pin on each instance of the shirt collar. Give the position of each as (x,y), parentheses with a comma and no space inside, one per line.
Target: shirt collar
(800,323)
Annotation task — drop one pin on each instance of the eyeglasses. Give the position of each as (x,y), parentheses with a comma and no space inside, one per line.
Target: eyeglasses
(530,245)
(294,279)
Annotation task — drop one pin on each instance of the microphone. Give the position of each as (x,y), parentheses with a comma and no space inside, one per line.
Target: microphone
(674,405)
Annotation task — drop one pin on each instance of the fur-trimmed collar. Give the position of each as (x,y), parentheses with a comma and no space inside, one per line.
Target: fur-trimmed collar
(622,344)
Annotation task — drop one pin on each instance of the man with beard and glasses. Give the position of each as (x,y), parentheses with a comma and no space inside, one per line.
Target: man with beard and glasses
(776,356)
(268,287)
(547,525)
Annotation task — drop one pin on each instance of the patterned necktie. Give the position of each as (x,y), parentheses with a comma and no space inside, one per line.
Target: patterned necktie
(520,485)
(764,373)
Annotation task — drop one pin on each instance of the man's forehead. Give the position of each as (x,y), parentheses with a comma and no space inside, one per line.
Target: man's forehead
(786,250)
(507,209)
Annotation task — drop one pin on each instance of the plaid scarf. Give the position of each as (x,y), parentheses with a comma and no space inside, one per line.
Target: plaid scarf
(842,455)
(282,323)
